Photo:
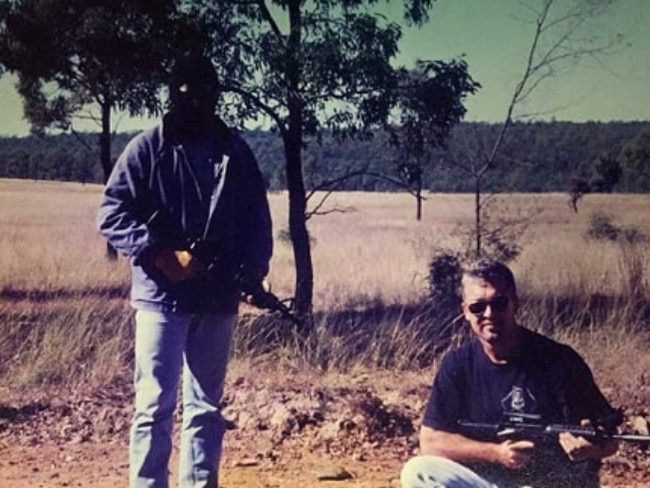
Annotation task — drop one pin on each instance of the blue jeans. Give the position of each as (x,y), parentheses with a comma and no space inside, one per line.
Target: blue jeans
(166,344)
(439,472)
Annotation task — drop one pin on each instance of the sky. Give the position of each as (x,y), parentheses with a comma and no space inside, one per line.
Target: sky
(494,39)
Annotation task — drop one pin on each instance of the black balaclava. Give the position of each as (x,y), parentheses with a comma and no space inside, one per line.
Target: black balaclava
(193,94)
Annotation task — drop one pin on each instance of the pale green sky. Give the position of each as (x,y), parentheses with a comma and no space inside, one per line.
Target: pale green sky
(495,41)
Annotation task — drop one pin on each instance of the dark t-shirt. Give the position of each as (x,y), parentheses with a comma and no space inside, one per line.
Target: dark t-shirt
(546,379)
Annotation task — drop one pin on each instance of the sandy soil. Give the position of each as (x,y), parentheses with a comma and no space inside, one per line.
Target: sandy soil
(299,436)
(95,465)
(105,466)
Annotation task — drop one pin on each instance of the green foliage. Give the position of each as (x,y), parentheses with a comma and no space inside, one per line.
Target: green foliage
(430,104)
(444,279)
(499,242)
(63,158)
(602,228)
(36,158)
(325,69)
(311,69)
(607,172)
(535,157)
(290,58)
(630,240)
(500,234)
(80,56)
(635,158)
(112,53)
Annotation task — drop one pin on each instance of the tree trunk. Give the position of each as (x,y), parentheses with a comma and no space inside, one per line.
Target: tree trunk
(105,142)
(293,141)
(105,158)
(304,285)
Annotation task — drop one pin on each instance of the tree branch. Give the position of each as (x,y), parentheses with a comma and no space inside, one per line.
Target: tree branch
(267,109)
(266,14)
(330,186)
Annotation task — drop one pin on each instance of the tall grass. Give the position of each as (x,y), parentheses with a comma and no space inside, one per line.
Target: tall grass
(66,320)
(86,340)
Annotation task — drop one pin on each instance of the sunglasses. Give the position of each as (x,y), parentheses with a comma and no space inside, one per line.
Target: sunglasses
(499,304)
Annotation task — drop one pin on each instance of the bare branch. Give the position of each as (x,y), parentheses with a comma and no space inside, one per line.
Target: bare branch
(317,208)
(330,186)
(556,41)
(337,182)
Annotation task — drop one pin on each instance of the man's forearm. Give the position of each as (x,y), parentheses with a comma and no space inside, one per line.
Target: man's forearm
(456,447)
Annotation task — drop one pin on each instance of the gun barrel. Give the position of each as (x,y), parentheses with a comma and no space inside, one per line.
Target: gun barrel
(637,439)
(506,430)
(590,432)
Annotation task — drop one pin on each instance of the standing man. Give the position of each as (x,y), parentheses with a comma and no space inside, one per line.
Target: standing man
(187,205)
(506,370)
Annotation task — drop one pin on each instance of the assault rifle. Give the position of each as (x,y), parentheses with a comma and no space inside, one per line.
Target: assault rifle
(167,233)
(517,426)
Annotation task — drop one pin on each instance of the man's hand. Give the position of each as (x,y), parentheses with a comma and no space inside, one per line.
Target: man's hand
(579,448)
(178,265)
(257,294)
(515,454)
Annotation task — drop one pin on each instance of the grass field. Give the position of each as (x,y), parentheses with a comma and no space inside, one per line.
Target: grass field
(65,315)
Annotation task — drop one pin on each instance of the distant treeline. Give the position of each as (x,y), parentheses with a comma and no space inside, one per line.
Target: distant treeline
(535,157)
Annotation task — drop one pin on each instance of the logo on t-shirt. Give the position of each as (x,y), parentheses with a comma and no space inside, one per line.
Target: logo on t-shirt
(519,400)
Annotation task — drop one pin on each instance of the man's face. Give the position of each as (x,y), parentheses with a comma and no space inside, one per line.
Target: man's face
(194,101)
(489,310)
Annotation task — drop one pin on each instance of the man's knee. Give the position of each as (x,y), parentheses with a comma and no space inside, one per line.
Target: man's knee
(420,472)
(438,472)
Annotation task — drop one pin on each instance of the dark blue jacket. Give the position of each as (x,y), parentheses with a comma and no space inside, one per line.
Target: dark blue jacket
(154,199)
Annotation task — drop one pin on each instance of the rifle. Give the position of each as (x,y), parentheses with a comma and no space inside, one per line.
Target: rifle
(264,299)
(517,426)
(166,232)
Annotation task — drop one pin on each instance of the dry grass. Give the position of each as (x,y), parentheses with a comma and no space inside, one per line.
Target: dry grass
(65,316)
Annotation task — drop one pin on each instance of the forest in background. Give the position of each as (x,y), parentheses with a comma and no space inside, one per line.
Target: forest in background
(535,157)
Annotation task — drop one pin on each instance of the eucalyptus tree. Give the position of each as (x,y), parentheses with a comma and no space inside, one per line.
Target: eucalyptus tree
(308,68)
(87,58)
(430,103)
